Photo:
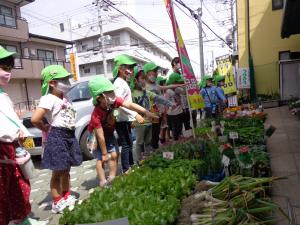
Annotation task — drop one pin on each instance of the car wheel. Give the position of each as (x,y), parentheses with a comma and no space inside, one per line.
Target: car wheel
(86,153)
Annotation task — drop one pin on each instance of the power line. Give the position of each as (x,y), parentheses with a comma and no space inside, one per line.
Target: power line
(136,22)
(63,16)
(45,21)
(195,16)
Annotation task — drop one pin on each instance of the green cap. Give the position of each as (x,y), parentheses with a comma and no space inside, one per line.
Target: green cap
(205,78)
(200,83)
(4,53)
(219,78)
(149,67)
(99,84)
(174,78)
(136,70)
(122,60)
(160,78)
(50,73)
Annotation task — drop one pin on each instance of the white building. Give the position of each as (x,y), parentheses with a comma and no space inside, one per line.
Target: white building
(120,38)
(122,41)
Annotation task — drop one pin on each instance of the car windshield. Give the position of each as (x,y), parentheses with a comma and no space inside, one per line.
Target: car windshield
(79,92)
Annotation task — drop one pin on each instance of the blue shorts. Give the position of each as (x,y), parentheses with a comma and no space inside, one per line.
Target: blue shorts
(111,146)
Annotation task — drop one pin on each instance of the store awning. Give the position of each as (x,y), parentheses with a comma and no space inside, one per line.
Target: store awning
(291,17)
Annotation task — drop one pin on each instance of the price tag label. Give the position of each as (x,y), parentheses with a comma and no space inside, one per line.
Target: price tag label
(168,155)
(223,139)
(225,161)
(233,135)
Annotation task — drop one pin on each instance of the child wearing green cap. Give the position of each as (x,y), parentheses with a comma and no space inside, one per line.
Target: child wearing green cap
(62,149)
(151,71)
(123,70)
(146,99)
(14,188)
(103,124)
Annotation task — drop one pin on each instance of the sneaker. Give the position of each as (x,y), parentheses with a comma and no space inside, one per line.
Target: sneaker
(70,200)
(59,206)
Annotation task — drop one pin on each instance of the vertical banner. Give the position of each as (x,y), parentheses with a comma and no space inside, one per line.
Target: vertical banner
(243,78)
(225,69)
(193,92)
(73,66)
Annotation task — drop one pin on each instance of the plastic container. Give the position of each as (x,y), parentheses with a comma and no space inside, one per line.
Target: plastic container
(25,163)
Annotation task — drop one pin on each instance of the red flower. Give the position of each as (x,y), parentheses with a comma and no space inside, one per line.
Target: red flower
(244,149)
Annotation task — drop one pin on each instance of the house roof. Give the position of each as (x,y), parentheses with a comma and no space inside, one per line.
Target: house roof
(128,28)
(50,39)
(291,17)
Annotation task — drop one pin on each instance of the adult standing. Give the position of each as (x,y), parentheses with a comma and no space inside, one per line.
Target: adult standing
(211,95)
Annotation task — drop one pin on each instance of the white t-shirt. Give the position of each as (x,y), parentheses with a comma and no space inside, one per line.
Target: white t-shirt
(123,91)
(10,131)
(61,112)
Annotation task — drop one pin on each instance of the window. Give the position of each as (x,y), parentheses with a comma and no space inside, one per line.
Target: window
(4,10)
(96,45)
(285,55)
(80,92)
(84,47)
(45,54)
(6,17)
(134,41)
(115,41)
(277,4)
(12,48)
(99,69)
(86,70)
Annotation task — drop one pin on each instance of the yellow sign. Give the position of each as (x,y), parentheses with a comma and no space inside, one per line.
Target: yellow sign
(225,69)
(196,102)
(73,66)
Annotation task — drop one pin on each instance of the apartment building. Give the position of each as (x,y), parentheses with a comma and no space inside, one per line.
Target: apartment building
(121,41)
(34,52)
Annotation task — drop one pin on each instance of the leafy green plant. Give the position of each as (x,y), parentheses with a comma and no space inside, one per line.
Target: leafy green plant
(146,196)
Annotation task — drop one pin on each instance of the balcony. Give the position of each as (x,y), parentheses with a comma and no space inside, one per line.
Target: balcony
(20,3)
(13,29)
(31,68)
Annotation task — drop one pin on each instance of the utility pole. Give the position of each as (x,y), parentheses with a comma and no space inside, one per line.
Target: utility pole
(199,17)
(102,39)
(212,62)
(233,25)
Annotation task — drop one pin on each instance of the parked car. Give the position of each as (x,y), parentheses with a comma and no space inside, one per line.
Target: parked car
(82,102)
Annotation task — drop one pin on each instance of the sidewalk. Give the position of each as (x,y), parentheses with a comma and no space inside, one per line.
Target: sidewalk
(284,149)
